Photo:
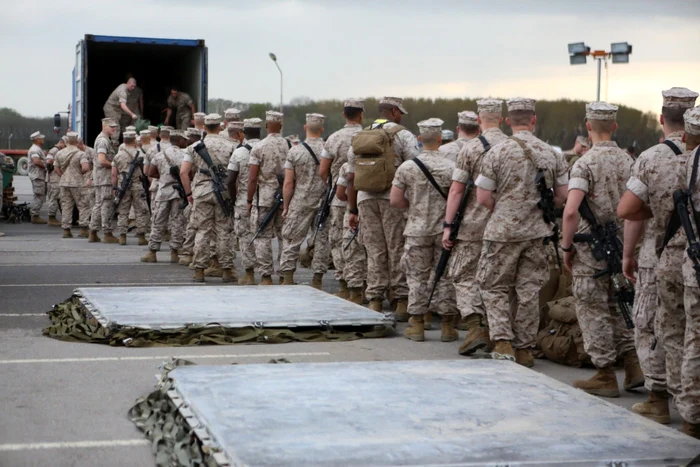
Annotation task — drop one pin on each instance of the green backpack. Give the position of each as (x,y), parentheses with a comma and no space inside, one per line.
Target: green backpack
(374,158)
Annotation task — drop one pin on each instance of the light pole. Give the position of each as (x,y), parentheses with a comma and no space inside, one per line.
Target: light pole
(274,59)
(620,52)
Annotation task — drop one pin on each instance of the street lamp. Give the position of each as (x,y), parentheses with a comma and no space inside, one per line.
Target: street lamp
(620,52)
(274,59)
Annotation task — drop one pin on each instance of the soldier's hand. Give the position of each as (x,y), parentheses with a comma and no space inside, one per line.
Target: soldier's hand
(569,260)
(250,208)
(190,200)
(353,221)
(284,214)
(134,116)
(629,268)
(446,243)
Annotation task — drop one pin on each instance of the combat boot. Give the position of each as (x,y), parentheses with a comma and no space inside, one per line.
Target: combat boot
(603,383)
(355,295)
(67,233)
(266,280)
(214,269)
(477,336)
(691,429)
(198,275)
(185,260)
(343,292)
(634,377)
(317,281)
(149,257)
(524,357)
(109,238)
(192,268)
(655,408)
(142,239)
(122,239)
(39,220)
(53,222)
(416,330)
(248,278)
(376,304)
(448,333)
(503,350)
(428,320)
(401,310)
(287,278)
(93,238)
(174,257)
(84,232)
(229,275)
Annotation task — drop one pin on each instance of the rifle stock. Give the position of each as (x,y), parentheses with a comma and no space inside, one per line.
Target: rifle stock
(217,175)
(680,200)
(126,183)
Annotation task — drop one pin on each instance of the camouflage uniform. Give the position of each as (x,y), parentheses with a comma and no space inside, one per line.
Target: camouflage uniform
(133,100)
(241,222)
(309,189)
(467,250)
(183,112)
(52,184)
(112,109)
(270,154)
(37,175)
(382,227)
(166,205)
(208,216)
(134,194)
(69,161)
(88,189)
(102,180)
(601,174)
(423,232)
(452,150)
(513,254)
(355,257)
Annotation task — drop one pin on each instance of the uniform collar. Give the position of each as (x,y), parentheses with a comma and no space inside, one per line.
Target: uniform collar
(606,144)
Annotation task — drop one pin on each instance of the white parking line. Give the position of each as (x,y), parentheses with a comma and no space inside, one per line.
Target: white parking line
(75,445)
(161,357)
(20,315)
(115,284)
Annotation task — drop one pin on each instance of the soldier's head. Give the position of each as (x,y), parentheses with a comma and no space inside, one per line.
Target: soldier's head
(251,128)
(354,110)
(174,92)
(212,123)
(193,135)
(448,136)
(179,139)
(232,115)
(235,130)
(581,146)
(600,121)
(392,109)
(273,121)
(37,138)
(81,144)
(199,120)
(109,126)
(314,125)
(145,137)
(468,124)
(431,133)
(691,119)
(61,143)
(72,138)
(521,114)
(676,102)
(165,133)
(130,138)
(131,84)
(489,113)
(154,132)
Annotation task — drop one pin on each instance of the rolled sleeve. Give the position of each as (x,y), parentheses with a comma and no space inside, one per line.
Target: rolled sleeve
(188,158)
(351,161)
(562,179)
(639,189)
(326,155)
(234,166)
(399,184)
(578,184)
(35,155)
(288,165)
(461,176)
(485,183)
(342,181)
(253,161)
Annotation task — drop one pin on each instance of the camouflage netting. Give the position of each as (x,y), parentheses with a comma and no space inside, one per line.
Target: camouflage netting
(71,322)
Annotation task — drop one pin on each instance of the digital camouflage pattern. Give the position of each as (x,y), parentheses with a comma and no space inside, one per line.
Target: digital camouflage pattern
(242,226)
(135,195)
(101,180)
(451,150)
(38,179)
(462,270)
(270,154)
(183,112)
(263,243)
(652,356)
(354,258)
(34,172)
(336,149)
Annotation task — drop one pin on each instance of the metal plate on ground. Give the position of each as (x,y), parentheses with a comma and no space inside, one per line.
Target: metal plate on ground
(174,307)
(467,412)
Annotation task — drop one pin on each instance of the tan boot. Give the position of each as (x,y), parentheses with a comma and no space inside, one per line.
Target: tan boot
(448,333)
(317,281)
(109,238)
(603,383)
(142,239)
(174,257)
(149,257)
(53,222)
(343,292)
(198,275)
(84,232)
(266,280)
(461,323)
(416,330)
(214,269)
(376,304)
(39,220)
(691,429)
(185,260)
(191,266)
(287,278)
(655,408)
(401,310)
(503,350)
(355,295)
(122,239)
(248,278)
(229,276)
(524,357)
(93,238)
(67,233)
(428,320)
(634,377)
(477,336)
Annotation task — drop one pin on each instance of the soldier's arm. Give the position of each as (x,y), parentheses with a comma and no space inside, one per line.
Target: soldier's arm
(102,160)
(168,113)
(571,216)
(632,208)
(288,188)
(252,181)
(231,184)
(632,234)
(397,198)
(36,160)
(324,167)
(485,198)
(185,170)
(114,176)
(126,109)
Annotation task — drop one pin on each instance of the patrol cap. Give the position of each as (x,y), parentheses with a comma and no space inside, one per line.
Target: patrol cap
(232,113)
(64,138)
(467,117)
(109,122)
(293,138)
(447,135)
(430,126)
(682,98)
(37,135)
(130,134)
(601,111)
(315,118)
(153,128)
(252,123)
(193,132)
(199,115)
(146,133)
(72,135)
(178,134)
(582,140)
(212,119)
(166,129)
(489,106)
(130,128)
(272,116)
(355,103)
(521,103)
(235,125)
(395,101)
(692,121)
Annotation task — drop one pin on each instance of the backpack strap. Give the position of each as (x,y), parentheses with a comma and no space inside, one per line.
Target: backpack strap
(311,151)
(673,147)
(485,143)
(429,176)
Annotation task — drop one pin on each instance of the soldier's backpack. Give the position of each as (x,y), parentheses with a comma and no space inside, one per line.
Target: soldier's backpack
(561,339)
(374,158)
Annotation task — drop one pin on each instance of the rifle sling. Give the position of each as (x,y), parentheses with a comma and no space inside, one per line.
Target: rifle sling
(674,222)
(673,147)
(691,186)
(429,176)
(311,151)
(485,143)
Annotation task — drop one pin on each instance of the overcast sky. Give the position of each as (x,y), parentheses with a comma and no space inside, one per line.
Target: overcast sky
(336,49)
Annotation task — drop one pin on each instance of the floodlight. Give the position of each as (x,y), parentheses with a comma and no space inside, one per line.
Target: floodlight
(620,48)
(577,59)
(273,57)
(620,58)
(577,48)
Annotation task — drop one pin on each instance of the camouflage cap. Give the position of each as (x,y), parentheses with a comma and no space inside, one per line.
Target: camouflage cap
(601,111)
(212,119)
(109,122)
(521,103)
(232,113)
(146,133)
(395,101)
(178,134)
(252,123)
(448,135)
(166,128)
(583,141)
(489,106)
(273,116)
(72,135)
(692,121)
(355,103)
(36,135)
(235,126)
(152,128)
(193,132)
(199,115)
(129,135)
(64,138)
(315,118)
(467,117)
(430,126)
(682,98)
(130,128)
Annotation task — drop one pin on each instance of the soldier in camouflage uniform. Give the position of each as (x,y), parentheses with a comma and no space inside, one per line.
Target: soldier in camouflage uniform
(117,109)
(266,165)
(513,256)
(238,190)
(87,191)
(302,193)
(467,129)
(599,178)
(334,155)
(149,149)
(232,115)
(102,180)
(657,173)
(467,250)
(184,108)
(37,175)
(355,255)
(383,225)
(580,148)
(186,252)
(209,217)
(52,182)
(413,190)
(71,163)
(135,195)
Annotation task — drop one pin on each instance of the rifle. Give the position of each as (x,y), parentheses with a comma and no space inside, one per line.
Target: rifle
(681,201)
(606,245)
(217,174)
(546,205)
(126,182)
(354,236)
(175,173)
(271,213)
(146,187)
(325,209)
